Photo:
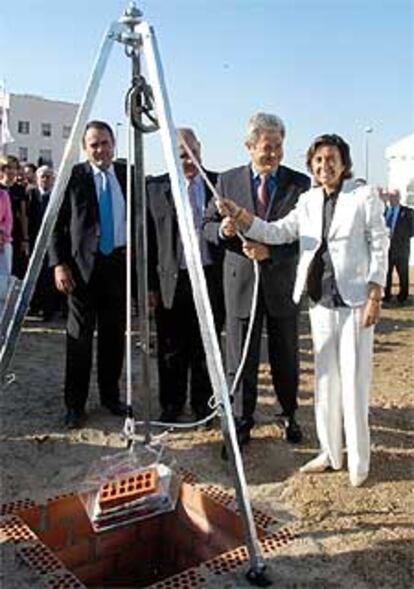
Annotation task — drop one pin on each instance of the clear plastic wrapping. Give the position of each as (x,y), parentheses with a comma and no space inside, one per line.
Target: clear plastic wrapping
(128,487)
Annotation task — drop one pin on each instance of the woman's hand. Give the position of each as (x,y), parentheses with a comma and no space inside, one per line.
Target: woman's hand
(256,251)
(229,209)
(372,309)
(371,312)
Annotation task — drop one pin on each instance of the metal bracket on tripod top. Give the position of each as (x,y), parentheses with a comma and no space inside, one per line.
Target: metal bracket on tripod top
(139,87)
(139,39)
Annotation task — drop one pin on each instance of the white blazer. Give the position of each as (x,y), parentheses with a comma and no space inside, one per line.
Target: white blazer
(358,239)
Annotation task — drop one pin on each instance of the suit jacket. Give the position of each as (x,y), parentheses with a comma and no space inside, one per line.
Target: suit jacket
(36,209)
(403,231)
(357,241)
(75,238)
(163,240)
(277,274)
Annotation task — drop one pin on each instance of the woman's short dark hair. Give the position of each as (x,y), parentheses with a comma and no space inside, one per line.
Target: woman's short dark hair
(335,141)
(101,126)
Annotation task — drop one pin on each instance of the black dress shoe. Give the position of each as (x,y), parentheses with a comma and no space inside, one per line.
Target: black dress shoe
(292,430)
(243,438)
(116,408)
(401,302)
(73,419)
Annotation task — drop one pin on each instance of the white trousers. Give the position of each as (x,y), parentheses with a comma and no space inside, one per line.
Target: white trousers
(343,369)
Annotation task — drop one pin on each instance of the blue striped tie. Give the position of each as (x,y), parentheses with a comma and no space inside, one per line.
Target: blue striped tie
(106,240)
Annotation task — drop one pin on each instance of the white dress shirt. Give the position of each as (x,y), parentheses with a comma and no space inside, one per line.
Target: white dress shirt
(118,202)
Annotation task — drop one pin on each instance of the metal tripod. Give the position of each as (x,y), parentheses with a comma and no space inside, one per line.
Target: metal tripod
(138,39)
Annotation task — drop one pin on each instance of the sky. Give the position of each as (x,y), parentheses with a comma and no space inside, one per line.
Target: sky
(324,66)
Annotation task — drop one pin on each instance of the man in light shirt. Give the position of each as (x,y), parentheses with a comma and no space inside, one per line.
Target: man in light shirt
(182,365)
(88,255)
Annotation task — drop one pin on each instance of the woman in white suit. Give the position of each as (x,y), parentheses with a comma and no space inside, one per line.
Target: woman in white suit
(343,264)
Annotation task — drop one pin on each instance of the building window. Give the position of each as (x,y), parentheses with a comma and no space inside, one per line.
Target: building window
(46,130)
(45,157)
(66,131)
(23,154)
(23,127)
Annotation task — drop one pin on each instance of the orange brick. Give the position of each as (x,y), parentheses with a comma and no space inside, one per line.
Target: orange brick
(31,517)
(62,509)
(76,555)
(15,506)
(191,497)
(128,489)
(64,580)
(15,530)
(208,514)
(40,558)
(140,562)
(115,541)
(55,537)
(149,530)
(79,528)
(216,513)
(94,573)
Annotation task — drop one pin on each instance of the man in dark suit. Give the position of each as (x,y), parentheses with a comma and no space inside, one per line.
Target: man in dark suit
(270,190)
(88,254)
(181,359)
(400,221)
(45,298)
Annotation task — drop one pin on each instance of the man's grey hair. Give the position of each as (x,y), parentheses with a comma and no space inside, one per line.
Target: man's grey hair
(263,122)
(44,170)
(188,134)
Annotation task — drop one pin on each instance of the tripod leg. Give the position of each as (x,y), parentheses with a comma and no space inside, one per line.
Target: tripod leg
(256,574)
(21,304)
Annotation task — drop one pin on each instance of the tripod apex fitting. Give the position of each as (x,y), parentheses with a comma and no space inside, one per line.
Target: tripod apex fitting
(132,15)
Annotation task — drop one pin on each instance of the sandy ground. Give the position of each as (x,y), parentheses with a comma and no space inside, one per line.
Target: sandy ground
(360,538)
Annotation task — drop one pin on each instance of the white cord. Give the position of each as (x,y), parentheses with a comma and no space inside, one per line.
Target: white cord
(252,317)
(130,423)
(253,307)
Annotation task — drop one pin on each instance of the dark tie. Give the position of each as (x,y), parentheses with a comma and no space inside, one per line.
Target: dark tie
(262,197)
(389,217)
(106,240)
(192,195)
(44,200)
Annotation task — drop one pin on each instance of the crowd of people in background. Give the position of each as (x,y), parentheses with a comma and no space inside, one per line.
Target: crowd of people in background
(83,276)
(24,195)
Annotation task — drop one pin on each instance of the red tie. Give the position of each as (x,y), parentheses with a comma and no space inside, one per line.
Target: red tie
(262,197)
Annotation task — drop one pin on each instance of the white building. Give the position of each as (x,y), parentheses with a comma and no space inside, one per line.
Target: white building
(400,157)
(38,126)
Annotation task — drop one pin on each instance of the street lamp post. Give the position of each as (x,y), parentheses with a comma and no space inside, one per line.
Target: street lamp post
(367,132)
(117,126)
